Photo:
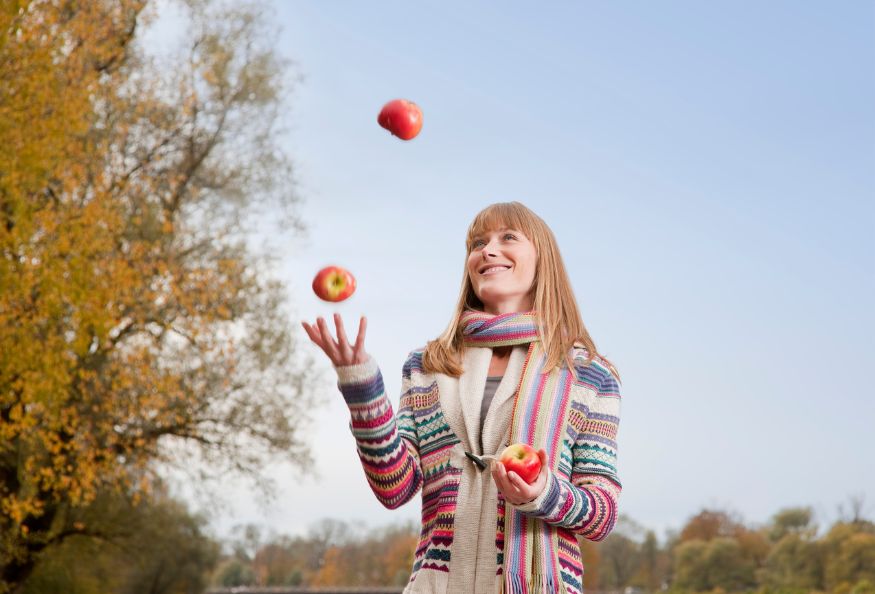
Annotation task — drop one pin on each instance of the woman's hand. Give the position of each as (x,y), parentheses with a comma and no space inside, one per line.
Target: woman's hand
(339,351)
(514,488)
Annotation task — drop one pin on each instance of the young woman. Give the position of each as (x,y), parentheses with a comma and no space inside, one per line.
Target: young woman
(515,364)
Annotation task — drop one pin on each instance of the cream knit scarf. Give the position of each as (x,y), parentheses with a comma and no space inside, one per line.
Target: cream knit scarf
(531,548)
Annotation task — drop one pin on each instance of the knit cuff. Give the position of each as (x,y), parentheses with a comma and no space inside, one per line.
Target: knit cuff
(536,506)
(356,374)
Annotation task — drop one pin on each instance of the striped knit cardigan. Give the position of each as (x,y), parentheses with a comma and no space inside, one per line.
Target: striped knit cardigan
(461,544)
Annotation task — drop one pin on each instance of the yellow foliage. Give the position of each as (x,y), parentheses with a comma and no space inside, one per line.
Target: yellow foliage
(115,314)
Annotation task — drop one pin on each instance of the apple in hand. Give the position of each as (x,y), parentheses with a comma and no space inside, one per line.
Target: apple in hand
(523,460)
(333,283)
(402,118)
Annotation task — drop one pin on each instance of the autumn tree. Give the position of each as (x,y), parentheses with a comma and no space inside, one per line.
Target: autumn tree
(716,550)
(139,329)
(849,550)
(375,557)
(333,553)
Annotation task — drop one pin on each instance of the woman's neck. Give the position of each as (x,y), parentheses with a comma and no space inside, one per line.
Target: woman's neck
(501,352)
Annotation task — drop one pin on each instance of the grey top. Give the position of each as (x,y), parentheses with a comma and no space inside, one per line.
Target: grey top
(491,385)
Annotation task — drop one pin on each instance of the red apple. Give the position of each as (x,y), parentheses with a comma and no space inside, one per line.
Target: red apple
(522,459)
(402,118)
(333,283)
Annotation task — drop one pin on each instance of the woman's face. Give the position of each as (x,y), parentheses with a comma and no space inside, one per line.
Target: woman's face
(502,267)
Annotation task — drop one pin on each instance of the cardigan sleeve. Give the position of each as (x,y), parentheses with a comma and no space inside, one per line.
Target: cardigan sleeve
(587,503)
(387,444)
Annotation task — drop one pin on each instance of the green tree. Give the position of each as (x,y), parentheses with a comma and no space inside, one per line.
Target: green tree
(690,568)
(155,547)
(234,572)
(793,520)
(653,564)
(620,557)
(718,563)
(796,559)
(795,562)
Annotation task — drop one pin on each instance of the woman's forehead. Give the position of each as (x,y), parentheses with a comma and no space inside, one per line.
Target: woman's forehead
(496,229)
(492,222)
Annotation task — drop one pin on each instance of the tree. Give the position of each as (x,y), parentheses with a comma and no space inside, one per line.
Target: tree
(653,565)
(383,557)
(139,329)
(795,562)
(690,569)
(155,547)
(854,510)
(620,558)
(850,554)
(717,563)
(709,524)
(620,554)
(792,520)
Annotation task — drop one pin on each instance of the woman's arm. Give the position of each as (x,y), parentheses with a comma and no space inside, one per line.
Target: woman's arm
(587,503)
(387,444)
(388,447)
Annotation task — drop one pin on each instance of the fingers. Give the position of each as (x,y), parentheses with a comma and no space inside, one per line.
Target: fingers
(311,332)
(360,339)
(343,343)
(518,483)
(542,455)
(329,345)
(341,333)
(339,351)
(514,488)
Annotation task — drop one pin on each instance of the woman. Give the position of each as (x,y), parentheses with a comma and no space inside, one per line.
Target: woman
(515,364)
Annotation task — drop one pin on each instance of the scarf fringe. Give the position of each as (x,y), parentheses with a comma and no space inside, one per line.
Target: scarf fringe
(538,583)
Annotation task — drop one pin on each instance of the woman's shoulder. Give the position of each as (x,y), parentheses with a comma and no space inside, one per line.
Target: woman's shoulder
(413,363)
(594,370)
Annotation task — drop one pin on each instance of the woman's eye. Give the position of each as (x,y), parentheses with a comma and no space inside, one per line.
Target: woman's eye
(478,243)
(510,235)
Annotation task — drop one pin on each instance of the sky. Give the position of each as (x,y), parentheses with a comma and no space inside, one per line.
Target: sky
(708,170)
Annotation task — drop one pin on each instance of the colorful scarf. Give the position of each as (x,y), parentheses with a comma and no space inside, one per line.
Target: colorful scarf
(539,416)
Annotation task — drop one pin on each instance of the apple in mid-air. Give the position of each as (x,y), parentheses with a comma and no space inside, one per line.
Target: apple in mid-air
(402,118)
(522,459)
(333,283)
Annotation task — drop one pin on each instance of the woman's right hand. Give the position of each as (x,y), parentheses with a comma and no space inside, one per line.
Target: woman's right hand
(339,351)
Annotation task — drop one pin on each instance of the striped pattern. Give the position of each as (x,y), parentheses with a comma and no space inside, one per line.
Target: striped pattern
(538,417)
(574,416)
(486,330)
(403,453)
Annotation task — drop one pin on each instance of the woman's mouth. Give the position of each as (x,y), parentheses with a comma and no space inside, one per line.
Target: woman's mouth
(494,270)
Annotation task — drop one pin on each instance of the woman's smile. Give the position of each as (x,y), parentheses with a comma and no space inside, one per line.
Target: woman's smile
(494,270)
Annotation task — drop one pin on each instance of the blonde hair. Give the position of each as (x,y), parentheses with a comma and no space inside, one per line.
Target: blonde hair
(560,325)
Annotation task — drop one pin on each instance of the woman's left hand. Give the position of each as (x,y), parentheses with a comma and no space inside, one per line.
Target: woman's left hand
(514,488)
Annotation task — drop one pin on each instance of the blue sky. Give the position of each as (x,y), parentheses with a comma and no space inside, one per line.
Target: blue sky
(709,172)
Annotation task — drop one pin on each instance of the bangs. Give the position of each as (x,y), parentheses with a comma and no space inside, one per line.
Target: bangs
(503,215)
